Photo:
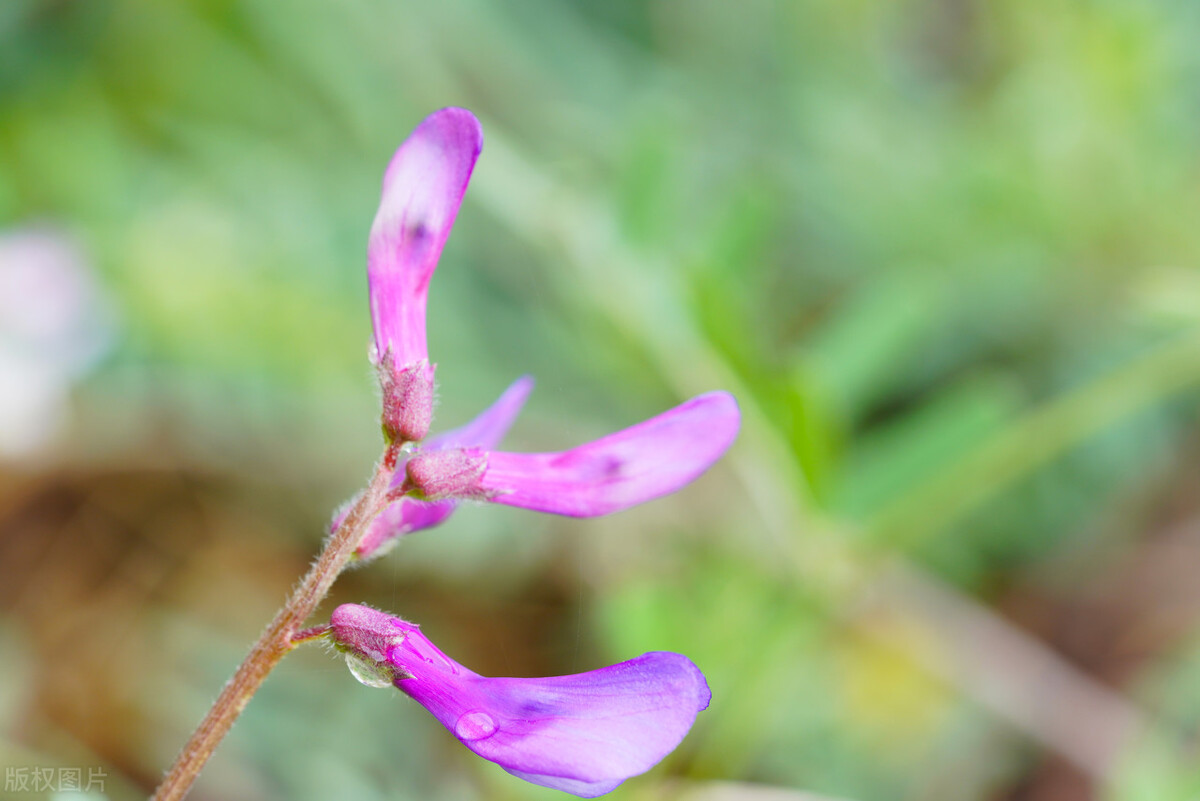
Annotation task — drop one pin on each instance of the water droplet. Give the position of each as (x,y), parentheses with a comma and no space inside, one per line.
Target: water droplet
(475,725)
(368,671)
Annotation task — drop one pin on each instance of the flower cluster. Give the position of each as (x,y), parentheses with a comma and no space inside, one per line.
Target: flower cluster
(585,733)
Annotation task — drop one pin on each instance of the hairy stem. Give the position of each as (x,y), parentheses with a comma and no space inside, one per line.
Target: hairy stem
(280,636)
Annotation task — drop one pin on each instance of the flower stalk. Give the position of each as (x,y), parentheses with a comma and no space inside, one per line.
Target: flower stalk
(281,636)
(583,734)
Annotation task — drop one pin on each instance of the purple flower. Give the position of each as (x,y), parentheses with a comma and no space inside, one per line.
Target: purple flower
(652,458)
(422,191)
(583,734)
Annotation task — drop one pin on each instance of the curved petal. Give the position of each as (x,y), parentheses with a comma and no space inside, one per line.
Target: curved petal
(583,734)
(402,517)
(422,191)
(407,515)
(615,472)
(487,429)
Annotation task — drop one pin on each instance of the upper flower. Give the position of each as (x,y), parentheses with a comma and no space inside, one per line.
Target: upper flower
(422,191)
(583,734)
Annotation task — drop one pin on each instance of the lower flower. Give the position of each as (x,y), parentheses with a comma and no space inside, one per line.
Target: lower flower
(583,734)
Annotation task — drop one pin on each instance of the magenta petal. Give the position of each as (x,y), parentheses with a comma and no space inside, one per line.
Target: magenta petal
(422,190)
(623,469)
(400,518)
(583,734)
(485,431)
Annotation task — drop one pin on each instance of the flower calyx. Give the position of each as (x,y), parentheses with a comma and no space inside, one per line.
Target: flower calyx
(366,638)
(407,399)
(436,475)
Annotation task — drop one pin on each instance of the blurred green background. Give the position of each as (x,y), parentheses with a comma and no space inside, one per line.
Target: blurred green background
(945,253)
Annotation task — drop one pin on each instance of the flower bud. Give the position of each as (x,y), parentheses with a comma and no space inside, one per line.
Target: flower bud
(407,400)
(457,473)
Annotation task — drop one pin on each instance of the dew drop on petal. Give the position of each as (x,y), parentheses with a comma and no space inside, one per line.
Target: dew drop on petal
(367,671)
(475,725)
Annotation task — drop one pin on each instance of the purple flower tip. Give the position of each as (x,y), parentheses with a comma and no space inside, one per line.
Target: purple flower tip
(583,734)
(422,191)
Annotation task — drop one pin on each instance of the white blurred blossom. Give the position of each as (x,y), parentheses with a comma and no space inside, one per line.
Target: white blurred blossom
(54,325)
